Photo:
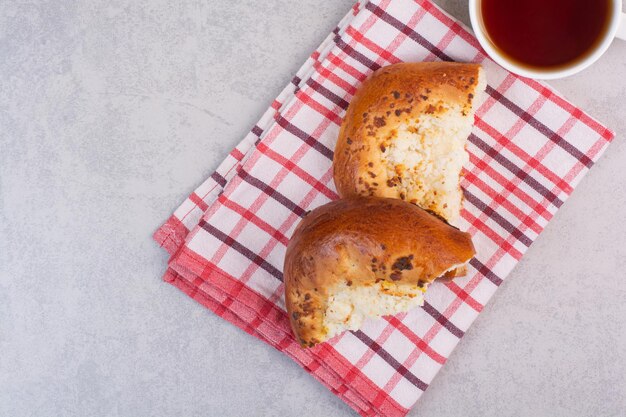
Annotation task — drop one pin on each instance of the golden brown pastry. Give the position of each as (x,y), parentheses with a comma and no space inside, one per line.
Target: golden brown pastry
(364,257)
(404,135)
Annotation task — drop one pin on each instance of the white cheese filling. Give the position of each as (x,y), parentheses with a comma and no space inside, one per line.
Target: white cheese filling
(348,306)
(425,158)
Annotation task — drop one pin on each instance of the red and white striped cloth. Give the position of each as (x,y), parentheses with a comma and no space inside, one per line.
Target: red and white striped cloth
(528,150)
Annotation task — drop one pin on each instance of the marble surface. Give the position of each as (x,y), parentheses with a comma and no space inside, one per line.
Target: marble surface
(112,111)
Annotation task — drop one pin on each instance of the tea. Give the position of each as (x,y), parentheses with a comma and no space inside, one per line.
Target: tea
(545,33)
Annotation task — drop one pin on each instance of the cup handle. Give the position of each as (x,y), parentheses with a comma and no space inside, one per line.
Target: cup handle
(621,30)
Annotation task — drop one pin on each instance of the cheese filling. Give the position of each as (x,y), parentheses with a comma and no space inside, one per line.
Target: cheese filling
(425,158)
(348,306)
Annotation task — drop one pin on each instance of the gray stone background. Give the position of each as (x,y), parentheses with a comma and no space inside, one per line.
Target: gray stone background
(112,111)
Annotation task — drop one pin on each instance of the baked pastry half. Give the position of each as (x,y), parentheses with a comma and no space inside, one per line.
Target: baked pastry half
(404,135)
(365,257)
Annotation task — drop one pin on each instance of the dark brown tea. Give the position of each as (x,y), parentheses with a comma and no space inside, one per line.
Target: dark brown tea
(545,33)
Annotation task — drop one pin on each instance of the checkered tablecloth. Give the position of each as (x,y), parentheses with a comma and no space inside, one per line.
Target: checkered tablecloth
(528,150)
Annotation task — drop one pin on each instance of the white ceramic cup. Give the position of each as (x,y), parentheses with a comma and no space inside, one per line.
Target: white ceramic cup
(616,28)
